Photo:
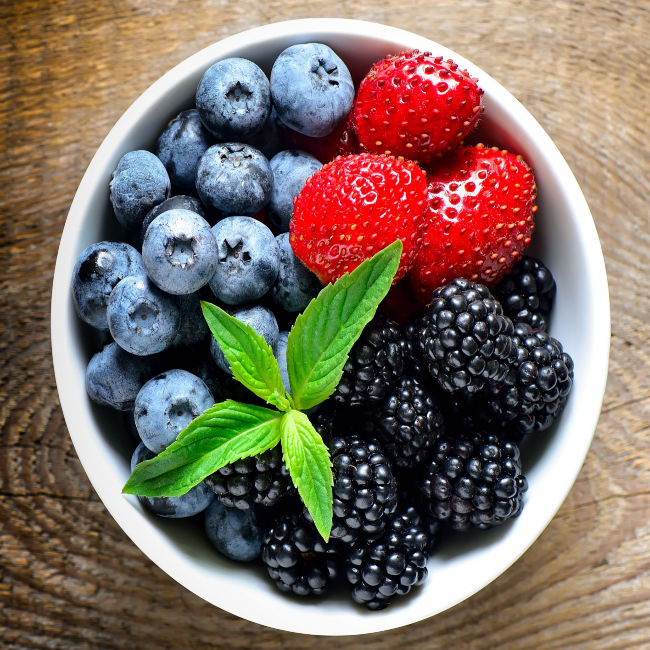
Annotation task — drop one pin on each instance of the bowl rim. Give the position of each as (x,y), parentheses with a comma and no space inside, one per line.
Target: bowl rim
(63,339)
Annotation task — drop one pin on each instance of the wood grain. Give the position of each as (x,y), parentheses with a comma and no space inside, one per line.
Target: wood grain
(69,578)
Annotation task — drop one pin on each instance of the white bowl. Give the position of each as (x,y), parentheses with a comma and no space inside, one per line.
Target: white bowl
(565,239)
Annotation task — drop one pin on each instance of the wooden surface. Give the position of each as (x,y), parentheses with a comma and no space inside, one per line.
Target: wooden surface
(69,577)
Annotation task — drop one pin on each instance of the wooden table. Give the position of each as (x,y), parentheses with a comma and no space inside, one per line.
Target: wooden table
(69,577)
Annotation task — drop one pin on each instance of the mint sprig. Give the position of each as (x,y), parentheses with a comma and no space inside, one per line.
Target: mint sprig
(318,347)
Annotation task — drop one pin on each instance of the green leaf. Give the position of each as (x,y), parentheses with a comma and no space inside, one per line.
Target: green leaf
(308,462)
(251,359)
(220,435)
(322,336)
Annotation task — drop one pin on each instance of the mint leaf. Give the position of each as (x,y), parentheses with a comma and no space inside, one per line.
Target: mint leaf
(309,465)
(251,359)
(322,336)
(220,435)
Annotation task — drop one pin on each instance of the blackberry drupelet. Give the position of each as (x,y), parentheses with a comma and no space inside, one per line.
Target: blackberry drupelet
(408,423)
(466,338)
(364,491)
(527,293)
(388,567)
(473,482)
(376,361)
(262,479)
(297,558)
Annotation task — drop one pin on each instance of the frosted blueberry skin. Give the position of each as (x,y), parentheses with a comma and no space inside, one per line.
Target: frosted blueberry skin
(272,138)
(166,404)
(235,533)
(281,356)
(139,182)
(180,147)
(311,89)
(98,269)
(193,329)
(234,179)
(296,285)
(260,319)
(233,99)
(186,505)
(179,252)
(142,318)
(114,377)
(248,260)
(180,202)
(291,169)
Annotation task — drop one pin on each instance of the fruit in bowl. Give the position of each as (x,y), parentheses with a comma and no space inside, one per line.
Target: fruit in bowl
(436,356)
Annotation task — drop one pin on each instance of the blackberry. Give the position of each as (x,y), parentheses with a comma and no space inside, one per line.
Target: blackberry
(262,479)
(364,491)
(376,361)
(527,293)
(466,339)
(297,558)
(408,423)
(388,567)
(473,482)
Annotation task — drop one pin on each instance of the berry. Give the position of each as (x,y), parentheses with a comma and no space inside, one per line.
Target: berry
(166,404)
(281,356)
(234,179)
(297,558)
(389,566)
(295,285)
(273,137)
(375,363)
(248,260)
(354,207)
(178,202)
(139,182)
(415,105)
(408,422)
(179,252)
(473,482)
(365,490)
(233,99)
(262,479)
(480,218)
(193,329)
(186,505)
(180,147)
(235,533)
(311,89)
(342,141)
(527,293)
(465,338)
(98,269)
(291,169)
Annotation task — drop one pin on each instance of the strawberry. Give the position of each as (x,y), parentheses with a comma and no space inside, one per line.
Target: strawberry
(355,206)
(415,105)
(341,142)
(480,218)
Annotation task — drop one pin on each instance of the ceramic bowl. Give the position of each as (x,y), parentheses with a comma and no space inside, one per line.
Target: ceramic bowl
(565,239)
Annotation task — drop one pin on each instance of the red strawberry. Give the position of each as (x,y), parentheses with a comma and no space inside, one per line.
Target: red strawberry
(341,142)
(355,206)
(480,218)
(415,105)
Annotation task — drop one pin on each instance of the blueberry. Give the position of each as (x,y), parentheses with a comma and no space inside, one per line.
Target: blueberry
(180,147)
(248,260)
(235,533)
(291,169)
(114,377)
(180,201)
(142,319)
(99,268)
(193,329)
(166,404)
(311,89)
(281,356)
(234,178)
(260,319)
(296,284)
(179,252)
(233,99)
(139,182)
(272,138)
(187,505)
